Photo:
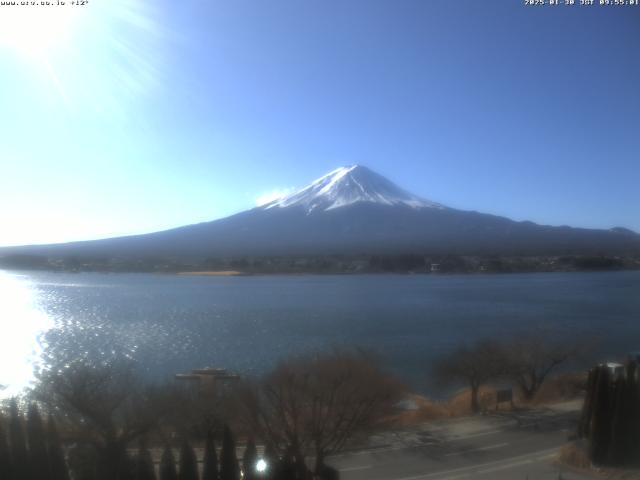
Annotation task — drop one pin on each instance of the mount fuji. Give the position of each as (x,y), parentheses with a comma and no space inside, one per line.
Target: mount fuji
(351,210)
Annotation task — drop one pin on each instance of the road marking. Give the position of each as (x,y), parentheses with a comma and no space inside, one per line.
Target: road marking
(474,435)
(455,477)
(419,445)
(479,449)
(382,450)
(441,441)
(546,457)
(473,468)
(506,466)
(351,469)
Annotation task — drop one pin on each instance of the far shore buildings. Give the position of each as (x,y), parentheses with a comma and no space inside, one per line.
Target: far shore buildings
(208,380)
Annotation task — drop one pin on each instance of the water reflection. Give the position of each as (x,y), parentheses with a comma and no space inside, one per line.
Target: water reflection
(166,324)
(22,324)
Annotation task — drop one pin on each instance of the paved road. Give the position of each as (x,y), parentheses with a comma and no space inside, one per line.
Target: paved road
(496,447)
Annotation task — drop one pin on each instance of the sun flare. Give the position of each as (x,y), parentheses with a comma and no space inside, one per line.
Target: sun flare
(37,31)
(99,56)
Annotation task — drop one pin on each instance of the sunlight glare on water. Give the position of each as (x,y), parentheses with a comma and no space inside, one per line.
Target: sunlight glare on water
(22,322)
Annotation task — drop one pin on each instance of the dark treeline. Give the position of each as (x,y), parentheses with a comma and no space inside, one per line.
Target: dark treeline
(32,450)
(611,415)
(379,263)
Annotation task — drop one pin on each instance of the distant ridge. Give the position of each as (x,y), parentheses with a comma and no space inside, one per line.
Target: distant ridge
(351,210)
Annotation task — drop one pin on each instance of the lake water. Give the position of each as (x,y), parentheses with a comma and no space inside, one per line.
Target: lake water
(170,324)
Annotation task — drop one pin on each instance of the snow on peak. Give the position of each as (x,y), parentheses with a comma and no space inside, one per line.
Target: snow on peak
(348,185)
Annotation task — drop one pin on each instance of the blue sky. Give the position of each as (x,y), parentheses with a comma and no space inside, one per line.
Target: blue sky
(129,116)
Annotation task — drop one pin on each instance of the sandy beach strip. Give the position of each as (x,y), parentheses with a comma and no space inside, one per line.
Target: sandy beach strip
(220,273)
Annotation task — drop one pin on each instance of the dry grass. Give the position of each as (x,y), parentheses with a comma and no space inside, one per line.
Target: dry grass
(460,404)
(457,406)
(575,456)
(560,388)
(557,389)
(426,411)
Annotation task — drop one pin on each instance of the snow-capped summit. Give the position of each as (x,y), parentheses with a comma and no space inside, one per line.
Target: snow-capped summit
(350,211)
(348,185)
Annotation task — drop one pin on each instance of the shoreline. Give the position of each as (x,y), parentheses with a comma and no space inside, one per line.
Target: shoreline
(212,273)
(238,273)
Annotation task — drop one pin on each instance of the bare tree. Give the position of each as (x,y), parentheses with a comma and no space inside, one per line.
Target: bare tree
(316,404)
(475,365)
(106,406)
(197,415)
(531,358)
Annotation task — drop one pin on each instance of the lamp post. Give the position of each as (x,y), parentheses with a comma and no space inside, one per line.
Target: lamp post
(261,468)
